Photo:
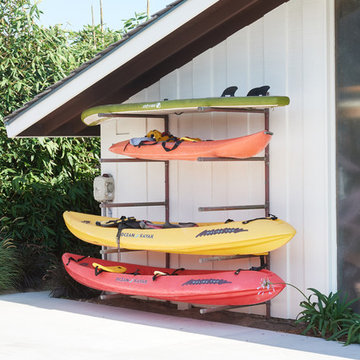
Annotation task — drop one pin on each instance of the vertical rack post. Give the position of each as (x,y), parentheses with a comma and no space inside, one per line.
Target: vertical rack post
(103,248)
(167,191)
(267,196)
(267,168)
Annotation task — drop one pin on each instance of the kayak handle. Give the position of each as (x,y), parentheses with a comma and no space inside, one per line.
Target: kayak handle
(177,143)
(78,260)
(271,217)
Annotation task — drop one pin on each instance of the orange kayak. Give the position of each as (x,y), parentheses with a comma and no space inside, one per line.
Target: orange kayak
(241,148)
(210,287)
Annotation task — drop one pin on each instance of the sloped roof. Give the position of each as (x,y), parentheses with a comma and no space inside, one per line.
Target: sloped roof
(169,39)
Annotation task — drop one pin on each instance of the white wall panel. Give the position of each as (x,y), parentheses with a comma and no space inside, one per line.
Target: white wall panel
(315,149)
(275,74)
(287,50)
(295,143)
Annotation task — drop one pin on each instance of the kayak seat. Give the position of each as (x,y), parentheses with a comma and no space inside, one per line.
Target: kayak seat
(113,269)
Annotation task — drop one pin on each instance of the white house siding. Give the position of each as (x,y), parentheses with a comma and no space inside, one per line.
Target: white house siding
(291,50)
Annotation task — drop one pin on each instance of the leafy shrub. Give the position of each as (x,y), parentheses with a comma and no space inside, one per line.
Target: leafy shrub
(133,22)
(38,190)
(330,317)
(33,57)
(40,178)
(63,285)
(349,330)
(40,233)
(34,261)
(10,266)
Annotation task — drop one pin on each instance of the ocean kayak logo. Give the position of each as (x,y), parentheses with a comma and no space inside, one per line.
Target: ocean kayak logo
(142,236)
(206,282)
(152,106)
(131,280)
(221,231)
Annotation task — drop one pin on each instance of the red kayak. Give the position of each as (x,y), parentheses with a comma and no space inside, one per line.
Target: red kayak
(241,148)
(207,287)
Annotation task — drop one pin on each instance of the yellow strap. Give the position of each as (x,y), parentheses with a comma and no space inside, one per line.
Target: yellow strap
(157,136)
(113,269)
(186,138)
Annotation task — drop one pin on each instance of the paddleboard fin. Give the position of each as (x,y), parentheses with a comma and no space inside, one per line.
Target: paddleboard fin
(229,91)
(259,91)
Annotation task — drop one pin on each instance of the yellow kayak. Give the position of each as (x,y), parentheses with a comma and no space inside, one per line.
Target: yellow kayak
(232,238)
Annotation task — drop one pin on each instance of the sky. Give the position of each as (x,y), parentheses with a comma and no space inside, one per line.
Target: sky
(74,14)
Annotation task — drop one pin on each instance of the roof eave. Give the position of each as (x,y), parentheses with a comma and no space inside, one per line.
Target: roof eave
(196,29)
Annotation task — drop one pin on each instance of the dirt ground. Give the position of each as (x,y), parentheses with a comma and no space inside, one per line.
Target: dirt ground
(229,317)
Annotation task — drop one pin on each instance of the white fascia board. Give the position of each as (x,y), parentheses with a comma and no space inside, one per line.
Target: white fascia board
(110,62)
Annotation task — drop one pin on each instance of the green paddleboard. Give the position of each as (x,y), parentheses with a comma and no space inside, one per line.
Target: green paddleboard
(99,114)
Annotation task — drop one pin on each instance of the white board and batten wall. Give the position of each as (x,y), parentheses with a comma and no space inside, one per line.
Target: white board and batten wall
(290,49)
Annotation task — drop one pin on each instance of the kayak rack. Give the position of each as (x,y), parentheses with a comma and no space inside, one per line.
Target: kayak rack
(255,158)
(230,257)
(266,206)
(224,308)
(115,251)
(229,109)
(166,203)
(264,262)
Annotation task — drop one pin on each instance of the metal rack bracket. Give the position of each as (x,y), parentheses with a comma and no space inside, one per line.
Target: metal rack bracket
(230,257)
(230,307)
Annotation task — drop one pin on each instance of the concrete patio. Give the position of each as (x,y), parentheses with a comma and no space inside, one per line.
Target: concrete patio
(35,326)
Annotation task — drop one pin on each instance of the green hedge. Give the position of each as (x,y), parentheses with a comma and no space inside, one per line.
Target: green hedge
(41,178)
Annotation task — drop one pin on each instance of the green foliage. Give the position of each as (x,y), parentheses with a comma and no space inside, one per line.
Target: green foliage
(63,285)
(349,329)
(41,178)
(134,21)
(330,317)
(10,267)
(87,42)
(33,57)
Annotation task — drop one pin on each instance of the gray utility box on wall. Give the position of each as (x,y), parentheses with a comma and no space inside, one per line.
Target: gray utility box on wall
(104,188)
